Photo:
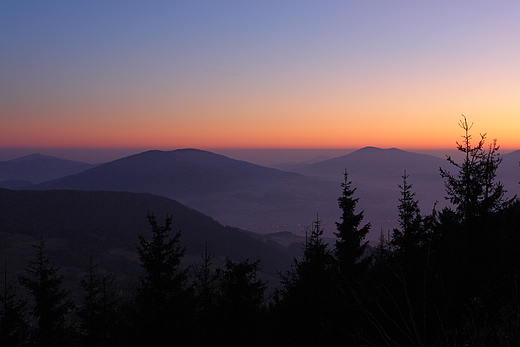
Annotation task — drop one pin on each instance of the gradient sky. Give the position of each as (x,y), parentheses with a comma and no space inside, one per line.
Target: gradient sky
(257,74)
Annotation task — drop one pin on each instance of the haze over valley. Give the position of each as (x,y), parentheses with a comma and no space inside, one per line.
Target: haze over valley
(286,197)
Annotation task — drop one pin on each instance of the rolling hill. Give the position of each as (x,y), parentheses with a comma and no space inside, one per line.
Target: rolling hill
(509,172)
(233,192)
(377,172)
(37,168)
(266,200)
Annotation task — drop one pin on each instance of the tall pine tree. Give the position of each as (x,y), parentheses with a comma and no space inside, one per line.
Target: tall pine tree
(469,247)
(307,299)
(410,235)
(99,307)
(161,296)
(350,246)
(13,328)
(474,191)
(51,303)
(206,292)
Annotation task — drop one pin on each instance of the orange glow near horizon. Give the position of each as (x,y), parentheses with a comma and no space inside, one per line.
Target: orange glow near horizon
(262,138)
(324,117)
(231,133)
(333,75)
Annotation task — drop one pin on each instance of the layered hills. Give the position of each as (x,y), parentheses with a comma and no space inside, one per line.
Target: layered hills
(233,192)
(266,200)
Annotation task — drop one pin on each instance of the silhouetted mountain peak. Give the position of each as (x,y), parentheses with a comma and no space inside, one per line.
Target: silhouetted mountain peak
(172,173)
(378,149)
(374,156)
(160,157)
(369,148)
(232,191)
(382,151)
(35,156)
(38,168)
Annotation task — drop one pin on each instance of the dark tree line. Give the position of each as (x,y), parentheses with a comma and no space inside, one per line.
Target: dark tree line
(448,277)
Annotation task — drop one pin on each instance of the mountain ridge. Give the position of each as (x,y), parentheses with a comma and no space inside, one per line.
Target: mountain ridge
(263,199)
(37,168)
(105,225)
(234,192)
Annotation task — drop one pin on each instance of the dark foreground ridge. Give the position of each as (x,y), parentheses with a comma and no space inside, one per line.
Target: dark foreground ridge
(105,225)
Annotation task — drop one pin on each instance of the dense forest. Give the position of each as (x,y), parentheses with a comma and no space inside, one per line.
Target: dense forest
(444,277)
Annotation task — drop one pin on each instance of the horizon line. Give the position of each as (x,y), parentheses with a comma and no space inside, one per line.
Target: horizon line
(261,156)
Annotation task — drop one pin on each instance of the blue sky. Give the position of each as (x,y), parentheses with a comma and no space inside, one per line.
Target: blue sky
(257,74)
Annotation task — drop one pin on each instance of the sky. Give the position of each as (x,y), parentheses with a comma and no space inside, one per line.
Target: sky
(257,74)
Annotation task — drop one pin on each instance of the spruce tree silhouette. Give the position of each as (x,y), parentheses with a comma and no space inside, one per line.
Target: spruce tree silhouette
(410,236)
(50,302)
(241,302)
(14,330)
(307,299)
(206,292)
(474,191)
(469,246)
(99,307)
(162,299)
(350,245)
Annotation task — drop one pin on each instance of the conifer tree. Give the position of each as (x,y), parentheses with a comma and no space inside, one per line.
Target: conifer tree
(242,290)
(98,309)
(468,246)
(469,234)
(161,295)
(474,191)
(350,245)
(307,298)
(205,284)
(352,262)
(409,236)
(307,275)
(382,253)
(206,293)
(13,328)
(241,302)
(51,302)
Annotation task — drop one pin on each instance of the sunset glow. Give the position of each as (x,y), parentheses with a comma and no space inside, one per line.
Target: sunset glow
(257,74)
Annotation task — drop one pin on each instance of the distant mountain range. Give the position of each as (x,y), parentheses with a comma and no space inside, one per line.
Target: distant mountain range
(262,199)
(377,172)
(234,192)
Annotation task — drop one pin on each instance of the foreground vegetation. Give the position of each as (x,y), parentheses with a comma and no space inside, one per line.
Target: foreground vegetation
(444,278)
